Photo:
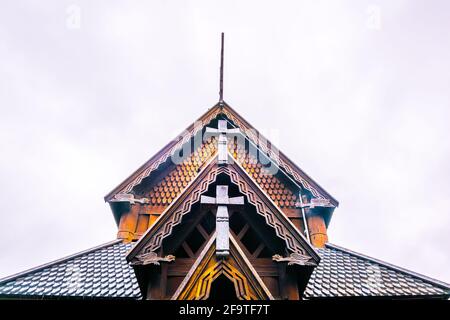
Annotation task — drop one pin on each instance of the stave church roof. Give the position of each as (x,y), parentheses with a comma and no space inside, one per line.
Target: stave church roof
(103,272)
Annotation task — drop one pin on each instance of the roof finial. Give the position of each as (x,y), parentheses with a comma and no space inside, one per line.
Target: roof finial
(221,71)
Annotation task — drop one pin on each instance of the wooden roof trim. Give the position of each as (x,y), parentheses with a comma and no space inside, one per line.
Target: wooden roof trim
(282,160)
(287,223)
(186,196)
(240,258)
(253,271)
(194,267)
(161,156)
(222,108)
(284,229)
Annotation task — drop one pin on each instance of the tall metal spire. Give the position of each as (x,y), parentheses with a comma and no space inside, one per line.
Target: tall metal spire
(221,70)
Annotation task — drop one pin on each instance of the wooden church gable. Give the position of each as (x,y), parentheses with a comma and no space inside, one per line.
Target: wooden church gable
(160,181)
(219,111)
(153,239)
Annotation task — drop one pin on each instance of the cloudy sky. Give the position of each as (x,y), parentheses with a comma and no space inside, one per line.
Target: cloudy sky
(356,93)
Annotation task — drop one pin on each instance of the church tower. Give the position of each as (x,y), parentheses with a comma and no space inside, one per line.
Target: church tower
(220,213)
(221,206)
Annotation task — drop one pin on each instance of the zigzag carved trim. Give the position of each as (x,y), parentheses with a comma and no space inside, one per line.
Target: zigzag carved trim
(186,206)
(250,133)
(208,267)
(261,208)
(163,158)
(223,267)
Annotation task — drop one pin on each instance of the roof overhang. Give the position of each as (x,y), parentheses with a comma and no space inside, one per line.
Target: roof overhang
(274,217)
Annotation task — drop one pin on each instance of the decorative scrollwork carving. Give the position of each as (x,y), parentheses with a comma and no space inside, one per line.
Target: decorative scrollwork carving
(151,258)
(126,197)
(294,258)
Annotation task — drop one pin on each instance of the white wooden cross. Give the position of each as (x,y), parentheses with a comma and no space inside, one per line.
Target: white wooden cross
(222,219)
(222,131)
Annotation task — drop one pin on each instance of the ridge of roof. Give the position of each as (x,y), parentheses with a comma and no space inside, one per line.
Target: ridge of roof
(64,259)
(158,154)
(438,283)
(286,158)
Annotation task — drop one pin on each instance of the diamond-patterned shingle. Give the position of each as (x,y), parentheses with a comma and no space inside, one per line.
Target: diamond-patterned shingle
(99,272)
(342,273)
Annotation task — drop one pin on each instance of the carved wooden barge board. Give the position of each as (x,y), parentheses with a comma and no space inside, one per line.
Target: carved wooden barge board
(151,165)
(278,159)
(250,133)
(274,217)
(162,228)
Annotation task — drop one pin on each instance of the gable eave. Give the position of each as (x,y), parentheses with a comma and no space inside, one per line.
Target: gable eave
(296,168)
(288,226)
(161,153)
(213,112)
(165,214)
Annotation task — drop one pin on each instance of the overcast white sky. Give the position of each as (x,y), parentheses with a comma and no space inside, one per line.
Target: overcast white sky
(357,92)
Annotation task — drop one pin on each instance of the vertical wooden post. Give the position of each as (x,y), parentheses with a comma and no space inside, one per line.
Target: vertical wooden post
(288,283)
(154,285)
(315,225)
(317,229)
(128,223)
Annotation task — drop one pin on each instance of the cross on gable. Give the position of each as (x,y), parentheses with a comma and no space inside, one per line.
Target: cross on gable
(222,218)
(222,131)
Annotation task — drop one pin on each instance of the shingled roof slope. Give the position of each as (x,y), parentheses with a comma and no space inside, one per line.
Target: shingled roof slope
(100,272)
(103,272)
(344,273)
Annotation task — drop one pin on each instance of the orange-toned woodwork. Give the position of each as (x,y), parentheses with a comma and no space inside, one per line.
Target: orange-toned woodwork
(134,223)
(128,223)
(208,267)
(317,230)
(154,212)
(295,215)
(201,288)
(153,218)
(274,187)
(166,190)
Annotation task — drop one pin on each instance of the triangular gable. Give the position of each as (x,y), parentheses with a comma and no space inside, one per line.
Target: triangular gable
(207,268)
(250,133)
(152,240)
